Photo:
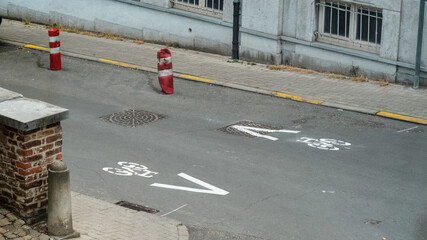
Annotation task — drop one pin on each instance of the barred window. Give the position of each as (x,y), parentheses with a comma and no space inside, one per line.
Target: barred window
(208,7)
(350,24)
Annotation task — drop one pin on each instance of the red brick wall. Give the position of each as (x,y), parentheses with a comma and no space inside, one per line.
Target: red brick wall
(25,158)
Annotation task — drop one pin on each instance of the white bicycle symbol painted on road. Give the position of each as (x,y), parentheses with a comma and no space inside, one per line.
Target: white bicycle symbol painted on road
(324,143)
(130,169)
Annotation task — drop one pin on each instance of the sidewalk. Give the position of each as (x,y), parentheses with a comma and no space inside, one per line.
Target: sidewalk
(98,220)
(394,101)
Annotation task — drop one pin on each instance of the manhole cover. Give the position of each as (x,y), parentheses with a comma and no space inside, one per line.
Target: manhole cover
(231,129)
(137,207)
(132,118)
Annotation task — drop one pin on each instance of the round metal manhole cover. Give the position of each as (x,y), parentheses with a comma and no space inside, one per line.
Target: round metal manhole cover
(132,118)
(235,131)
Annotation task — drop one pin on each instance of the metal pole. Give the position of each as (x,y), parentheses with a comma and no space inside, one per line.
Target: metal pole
(419,44)
(236,26)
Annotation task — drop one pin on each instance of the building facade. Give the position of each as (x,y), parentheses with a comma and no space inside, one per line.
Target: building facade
(374,38)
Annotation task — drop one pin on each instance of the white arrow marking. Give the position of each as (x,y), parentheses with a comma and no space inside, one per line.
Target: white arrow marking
(253,131)
(212,189)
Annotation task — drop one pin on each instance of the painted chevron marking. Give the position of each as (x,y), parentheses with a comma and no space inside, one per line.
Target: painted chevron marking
(210,188)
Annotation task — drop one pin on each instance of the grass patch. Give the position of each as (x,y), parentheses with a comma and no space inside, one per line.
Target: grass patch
(251,63)
(360,79)
(234,61)
(91,34)
(383,83)
(338,76)
(74,30)
(289,68)
(26,22)
(354,71)
(139,42)
(174,45)
(110,35)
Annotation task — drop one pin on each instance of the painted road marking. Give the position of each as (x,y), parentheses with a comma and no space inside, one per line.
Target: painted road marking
(254,131)
(199,78)
(118,63)
(212,189)
(402,117)
(164,215)
(296,98)
(325,191)
(324,143)
(36,47)
(130,169)
(408,129)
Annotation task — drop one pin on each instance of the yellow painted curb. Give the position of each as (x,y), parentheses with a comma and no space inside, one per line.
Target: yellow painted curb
(199,78)
(118,63)
(402,117)
(36,47)
(296,98)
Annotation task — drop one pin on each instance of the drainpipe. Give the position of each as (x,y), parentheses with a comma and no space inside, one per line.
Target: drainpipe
(419,44)
(236,25)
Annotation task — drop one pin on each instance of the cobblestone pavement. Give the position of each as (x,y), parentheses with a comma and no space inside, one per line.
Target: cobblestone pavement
(14,228)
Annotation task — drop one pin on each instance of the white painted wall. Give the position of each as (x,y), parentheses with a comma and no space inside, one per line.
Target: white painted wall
(160,3)
(262,16)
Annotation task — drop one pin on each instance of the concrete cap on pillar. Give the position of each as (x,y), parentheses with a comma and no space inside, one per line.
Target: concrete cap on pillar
(58,166)
(27,114)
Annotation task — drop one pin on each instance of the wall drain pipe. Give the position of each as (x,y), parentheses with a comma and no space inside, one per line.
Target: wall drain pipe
(236,26)
(419,44)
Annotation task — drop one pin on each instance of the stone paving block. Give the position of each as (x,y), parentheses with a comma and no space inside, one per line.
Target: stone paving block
(10,235)
(4,222)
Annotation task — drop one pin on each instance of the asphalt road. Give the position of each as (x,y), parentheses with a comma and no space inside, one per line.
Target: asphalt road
(224,186)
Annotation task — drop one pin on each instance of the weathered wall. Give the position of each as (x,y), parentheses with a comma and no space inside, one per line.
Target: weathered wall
(160,3)
(409,33)
(138,22)
(398,41)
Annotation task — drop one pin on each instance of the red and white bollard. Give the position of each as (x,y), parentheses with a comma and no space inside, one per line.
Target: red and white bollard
(164,66)
(54,44)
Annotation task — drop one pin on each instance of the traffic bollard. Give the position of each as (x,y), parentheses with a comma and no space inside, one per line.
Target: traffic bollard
(54,44)
(59,220)
(164,67)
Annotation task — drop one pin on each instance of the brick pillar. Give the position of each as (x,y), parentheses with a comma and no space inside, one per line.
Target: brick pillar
(30,140)
(25,157)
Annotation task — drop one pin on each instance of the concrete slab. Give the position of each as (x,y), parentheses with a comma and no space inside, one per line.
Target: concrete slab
(27,114)
(8,95)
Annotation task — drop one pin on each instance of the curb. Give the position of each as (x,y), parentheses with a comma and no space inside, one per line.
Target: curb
(380,113)
(183,232)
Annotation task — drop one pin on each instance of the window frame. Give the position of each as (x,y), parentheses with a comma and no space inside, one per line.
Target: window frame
(201,8)
(351,40)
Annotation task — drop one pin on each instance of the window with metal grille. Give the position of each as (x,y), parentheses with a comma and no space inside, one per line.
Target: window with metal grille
(208,7)
(350,24)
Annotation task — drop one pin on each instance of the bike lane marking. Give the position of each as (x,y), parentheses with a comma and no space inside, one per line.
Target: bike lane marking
(136,169)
